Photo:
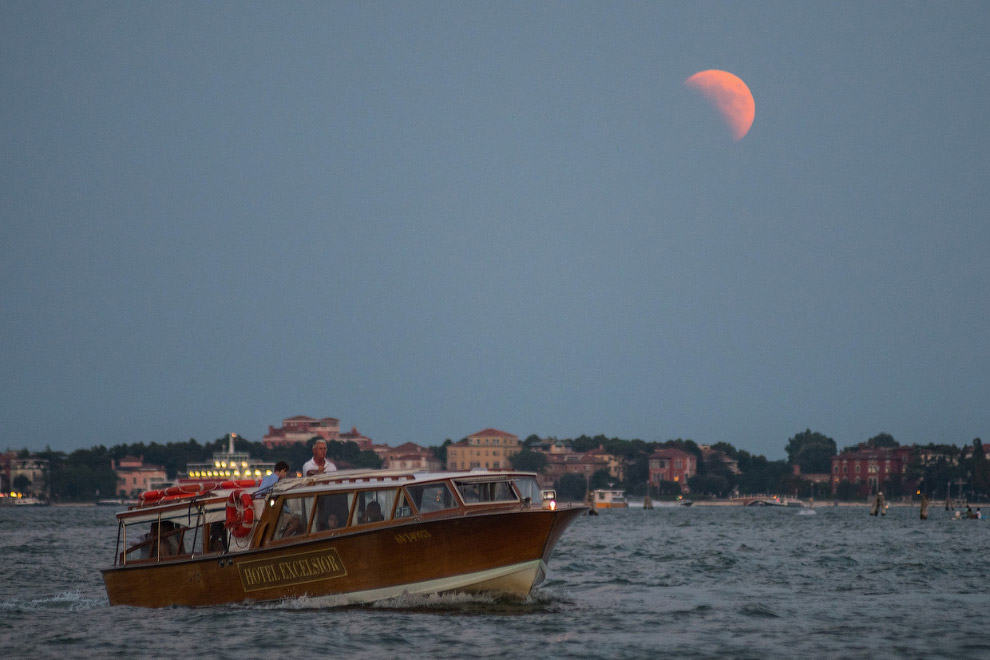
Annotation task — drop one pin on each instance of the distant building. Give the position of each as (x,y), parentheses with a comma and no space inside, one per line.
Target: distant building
(616,468)
(709,454)
(301,429)
(227,465)
(364,443)
(672,464)
(410,456)
(31,469)
(870,467)
(489,449)
(585,464)
(134,476)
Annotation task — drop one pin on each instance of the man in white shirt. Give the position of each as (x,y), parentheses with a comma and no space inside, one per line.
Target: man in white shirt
(319,463)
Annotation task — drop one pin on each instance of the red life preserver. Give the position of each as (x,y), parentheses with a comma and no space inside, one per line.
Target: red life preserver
(187,489)
(172,498)
(151,495)
(239,483)
(240,513)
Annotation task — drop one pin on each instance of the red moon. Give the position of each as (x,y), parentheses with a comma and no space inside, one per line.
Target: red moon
(730,96)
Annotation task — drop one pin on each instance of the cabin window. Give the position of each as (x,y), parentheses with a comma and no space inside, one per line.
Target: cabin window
(374,505)
(294,517)
(431,497)
(402,508)
(332,511)
(158,539)
(485,491)
(529,488)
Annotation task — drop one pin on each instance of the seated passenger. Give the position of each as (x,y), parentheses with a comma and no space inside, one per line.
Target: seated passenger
(218,539)
(293,527)
(373,513)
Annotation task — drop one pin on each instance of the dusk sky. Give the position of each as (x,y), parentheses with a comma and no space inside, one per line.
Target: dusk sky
(426,219)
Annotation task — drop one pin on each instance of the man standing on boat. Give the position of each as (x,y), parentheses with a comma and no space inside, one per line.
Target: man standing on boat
(319,463)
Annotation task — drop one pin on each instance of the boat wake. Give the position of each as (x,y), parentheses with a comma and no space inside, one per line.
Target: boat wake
(447,603)
(71,601)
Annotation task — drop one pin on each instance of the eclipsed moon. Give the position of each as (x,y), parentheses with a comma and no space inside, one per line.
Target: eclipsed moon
(730,96)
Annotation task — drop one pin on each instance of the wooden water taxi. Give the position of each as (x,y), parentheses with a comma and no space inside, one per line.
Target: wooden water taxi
(360,535)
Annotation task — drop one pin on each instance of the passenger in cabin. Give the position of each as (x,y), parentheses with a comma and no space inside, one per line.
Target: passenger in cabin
(166,536)
(269,481)
(373,513)
(293,527)
(218,539)
(319,463)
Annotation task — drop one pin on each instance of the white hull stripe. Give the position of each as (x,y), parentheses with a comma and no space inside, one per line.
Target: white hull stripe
(523,572)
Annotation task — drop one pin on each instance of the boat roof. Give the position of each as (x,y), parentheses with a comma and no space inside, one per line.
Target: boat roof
(334,481)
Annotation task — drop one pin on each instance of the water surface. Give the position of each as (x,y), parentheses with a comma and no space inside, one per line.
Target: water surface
(698,582)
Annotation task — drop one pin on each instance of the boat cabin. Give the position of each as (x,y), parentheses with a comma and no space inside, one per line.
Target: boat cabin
(226,519)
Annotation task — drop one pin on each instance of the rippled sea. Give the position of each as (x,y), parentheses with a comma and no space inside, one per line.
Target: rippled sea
(698,582)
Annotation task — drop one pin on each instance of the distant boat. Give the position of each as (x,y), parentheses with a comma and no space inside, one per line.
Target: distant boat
(116,501)
(609,499)
(777,501)
(680,501)
(29,501)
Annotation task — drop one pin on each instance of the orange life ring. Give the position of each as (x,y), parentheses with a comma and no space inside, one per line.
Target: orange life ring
(240,513)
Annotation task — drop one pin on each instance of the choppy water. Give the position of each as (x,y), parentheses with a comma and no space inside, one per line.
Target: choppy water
(699,582)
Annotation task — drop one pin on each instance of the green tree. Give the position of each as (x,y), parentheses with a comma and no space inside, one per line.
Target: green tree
(811,451)
(441,452)
(571,487)
(846,490)
(601,479)
(710,484)
(882,440)
(528,460)
(367,459)
(531,440)
(763,476)
(668,488)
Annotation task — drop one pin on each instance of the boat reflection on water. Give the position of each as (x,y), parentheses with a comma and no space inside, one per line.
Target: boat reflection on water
(361,535)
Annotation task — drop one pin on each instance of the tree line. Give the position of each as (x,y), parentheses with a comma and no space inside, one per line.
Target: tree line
(87,474)
(965,470)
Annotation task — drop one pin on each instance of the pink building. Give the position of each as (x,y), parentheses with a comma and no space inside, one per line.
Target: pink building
(363,442)
(301,429)
(410,456)
(870,467)
(134,477)
(672,465)
(584,464)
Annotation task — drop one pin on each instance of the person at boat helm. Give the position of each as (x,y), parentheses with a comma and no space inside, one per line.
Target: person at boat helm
(319,463)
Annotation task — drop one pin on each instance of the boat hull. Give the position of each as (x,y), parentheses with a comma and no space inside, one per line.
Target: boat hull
(501,552)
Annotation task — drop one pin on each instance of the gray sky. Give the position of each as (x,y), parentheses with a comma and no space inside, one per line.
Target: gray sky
(426,219)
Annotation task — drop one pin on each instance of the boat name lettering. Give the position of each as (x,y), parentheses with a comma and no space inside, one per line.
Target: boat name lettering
(410,537)
(290,569)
